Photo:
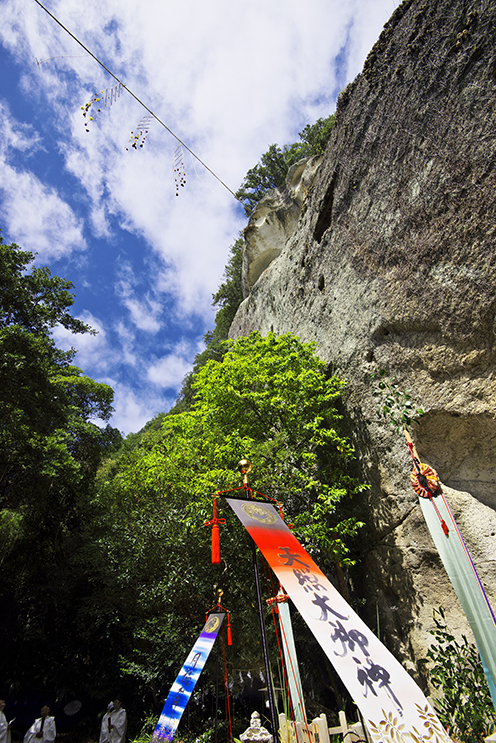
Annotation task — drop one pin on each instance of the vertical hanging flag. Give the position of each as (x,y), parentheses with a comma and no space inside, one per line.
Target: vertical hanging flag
(184,684)
(466,582)
(393,706)
(457,563)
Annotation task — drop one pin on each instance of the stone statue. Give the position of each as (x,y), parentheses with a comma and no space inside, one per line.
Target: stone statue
(256,732)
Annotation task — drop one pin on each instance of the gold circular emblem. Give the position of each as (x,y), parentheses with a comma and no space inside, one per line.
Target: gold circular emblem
(258,512)
(212,624)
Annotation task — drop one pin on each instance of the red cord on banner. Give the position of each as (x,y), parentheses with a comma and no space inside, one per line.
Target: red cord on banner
(214,523)
(425,482)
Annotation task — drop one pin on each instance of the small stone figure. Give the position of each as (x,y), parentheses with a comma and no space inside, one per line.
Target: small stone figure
(256,733)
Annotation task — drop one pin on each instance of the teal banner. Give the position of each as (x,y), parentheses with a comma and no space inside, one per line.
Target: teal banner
(466,582)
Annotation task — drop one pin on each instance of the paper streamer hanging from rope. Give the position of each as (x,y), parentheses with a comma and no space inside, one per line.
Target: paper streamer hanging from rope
(140,133)
(392,704)
(183,686)
(104,99)
(179,172)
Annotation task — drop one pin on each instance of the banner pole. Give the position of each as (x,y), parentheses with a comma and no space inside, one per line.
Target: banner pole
(216,694)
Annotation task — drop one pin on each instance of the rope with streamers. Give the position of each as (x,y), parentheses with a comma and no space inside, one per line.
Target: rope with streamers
(41,62)
(154,116)
(425,481)
(86,109)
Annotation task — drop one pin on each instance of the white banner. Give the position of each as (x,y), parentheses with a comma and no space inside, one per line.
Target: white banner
(393,706)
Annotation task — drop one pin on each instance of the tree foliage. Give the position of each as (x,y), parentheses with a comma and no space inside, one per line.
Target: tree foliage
(465,707)
(46,405)
(270,400)
(274,164)
(50,450)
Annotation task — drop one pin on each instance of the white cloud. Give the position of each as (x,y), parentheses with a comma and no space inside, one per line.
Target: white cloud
(93,351)
(36,217)
(229,79)
(134,408)
(144,310)
(33,214)
(128,340)
(169,371)
(16,135)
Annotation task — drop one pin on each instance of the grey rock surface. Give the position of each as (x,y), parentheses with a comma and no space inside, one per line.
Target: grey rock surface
(274,221)
(392,265)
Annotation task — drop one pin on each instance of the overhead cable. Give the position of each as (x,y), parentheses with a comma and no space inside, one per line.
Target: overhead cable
(138,100)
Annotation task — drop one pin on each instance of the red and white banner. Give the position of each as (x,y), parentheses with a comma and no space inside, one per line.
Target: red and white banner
(390,701)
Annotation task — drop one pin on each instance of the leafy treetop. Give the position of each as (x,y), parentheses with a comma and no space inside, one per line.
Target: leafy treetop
(35,301)
(271,400)
(274,164)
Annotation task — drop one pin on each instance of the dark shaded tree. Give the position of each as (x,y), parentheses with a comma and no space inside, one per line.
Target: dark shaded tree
(50,450)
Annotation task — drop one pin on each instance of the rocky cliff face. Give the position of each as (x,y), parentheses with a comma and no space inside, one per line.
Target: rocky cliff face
(392,265)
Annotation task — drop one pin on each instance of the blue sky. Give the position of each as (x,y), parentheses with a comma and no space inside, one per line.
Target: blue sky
(229,79)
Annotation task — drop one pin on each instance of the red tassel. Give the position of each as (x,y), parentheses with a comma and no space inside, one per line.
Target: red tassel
(214,523)
(229,637)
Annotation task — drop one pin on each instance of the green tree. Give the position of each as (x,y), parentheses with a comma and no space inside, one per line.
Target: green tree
(46,404)
(50,450)
(270,400)
(273,395)
(274,164)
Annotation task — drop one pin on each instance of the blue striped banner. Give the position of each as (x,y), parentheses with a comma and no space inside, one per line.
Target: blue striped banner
(183,686)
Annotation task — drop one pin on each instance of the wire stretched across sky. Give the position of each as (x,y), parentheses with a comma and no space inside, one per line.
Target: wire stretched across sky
(138,100)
